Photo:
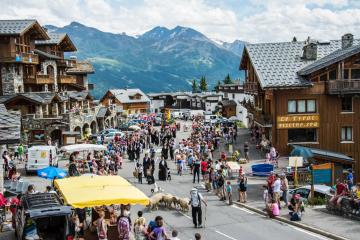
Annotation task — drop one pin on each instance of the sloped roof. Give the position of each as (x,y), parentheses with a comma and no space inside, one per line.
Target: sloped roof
(102,112)
(46,55)
(38,97)
(81,67)
(277,64)
(123,95)
(61,39)
(9,126)
(19,27)
(330,59)
(227,103)
(79,96)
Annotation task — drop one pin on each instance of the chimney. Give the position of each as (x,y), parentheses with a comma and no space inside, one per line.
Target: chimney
(310,51)
(347,40)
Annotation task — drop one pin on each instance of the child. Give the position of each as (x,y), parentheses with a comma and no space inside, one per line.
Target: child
(229,192)
(273,209)
(266,195)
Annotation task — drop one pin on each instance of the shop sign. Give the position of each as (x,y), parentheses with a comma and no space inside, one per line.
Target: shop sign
(322,173)
(298,121)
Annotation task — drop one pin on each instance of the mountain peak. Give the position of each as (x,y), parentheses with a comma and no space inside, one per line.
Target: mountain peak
(76,24)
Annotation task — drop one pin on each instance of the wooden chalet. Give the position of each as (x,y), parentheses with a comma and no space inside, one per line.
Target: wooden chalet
(132,101)
(307,93)
(51,92)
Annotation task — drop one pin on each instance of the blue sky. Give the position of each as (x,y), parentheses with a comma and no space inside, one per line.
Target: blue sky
(249,20)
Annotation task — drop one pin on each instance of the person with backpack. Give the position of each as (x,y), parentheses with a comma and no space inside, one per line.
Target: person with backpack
(195,202)
(124,224)
(196,170)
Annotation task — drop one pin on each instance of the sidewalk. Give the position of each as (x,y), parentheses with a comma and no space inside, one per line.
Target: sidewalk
(315,218)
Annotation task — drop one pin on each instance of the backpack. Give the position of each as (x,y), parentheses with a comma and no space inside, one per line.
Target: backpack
(123,226)
(221,181)
(195,199)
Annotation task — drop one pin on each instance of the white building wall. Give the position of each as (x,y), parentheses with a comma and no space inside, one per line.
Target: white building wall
(155,105)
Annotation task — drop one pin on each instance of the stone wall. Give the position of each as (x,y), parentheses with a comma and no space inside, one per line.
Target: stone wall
(12,80)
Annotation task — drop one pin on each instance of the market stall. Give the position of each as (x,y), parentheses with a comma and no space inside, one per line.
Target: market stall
(84,149)
(104,193)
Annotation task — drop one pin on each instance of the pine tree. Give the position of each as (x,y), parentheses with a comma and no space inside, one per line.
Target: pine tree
(216,88)
(228,80)
(194,86)
(203,84)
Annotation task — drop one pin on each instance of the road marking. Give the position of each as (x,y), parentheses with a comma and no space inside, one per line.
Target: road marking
(243,209)
(185,215)
(309,233)
(223,234)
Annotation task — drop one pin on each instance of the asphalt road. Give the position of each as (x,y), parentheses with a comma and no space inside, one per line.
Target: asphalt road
(220,220)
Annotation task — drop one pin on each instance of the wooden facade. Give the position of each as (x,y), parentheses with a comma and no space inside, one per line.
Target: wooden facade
(331,116)
(135,104)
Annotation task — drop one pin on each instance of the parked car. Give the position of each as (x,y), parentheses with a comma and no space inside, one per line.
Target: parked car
(111,135)
(45,214)
(321,191)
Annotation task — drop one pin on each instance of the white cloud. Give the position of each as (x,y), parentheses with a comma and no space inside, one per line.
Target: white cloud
(273,20)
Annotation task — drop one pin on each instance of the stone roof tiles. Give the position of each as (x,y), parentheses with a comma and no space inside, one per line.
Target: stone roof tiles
(9,126)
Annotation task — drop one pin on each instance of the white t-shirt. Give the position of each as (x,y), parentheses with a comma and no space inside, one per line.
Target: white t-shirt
(277,185)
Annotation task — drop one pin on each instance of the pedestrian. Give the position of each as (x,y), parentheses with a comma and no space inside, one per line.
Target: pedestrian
(220,185)
(139,227)
(140,173)
(162,169)
(174,235)
(246,151)
(284,189)
(273,209)
(159,232)
(229,192)
(101,226)
(266,195)
(195,202)
(277,189)
(197,236)
(124,224)
(196,170)
(243,188)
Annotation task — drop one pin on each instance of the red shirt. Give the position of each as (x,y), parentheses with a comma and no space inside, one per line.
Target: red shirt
(203,166)
(340,188)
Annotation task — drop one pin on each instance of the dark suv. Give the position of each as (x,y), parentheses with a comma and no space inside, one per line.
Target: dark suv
(43,215)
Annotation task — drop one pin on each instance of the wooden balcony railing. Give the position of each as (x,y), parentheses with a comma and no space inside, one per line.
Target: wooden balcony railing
(262,118)
(67,79)
(39,79)
(343,86)
(66,63)
(251,88)
(29,58)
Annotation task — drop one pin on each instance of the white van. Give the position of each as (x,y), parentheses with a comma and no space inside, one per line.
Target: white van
(210,118)
(39,157)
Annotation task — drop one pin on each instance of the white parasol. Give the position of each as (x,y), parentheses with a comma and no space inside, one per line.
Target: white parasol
(83,147)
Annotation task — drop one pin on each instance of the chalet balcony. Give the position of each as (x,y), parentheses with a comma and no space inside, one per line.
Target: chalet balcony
(28,58)
(67,79)
(66,63)
(343,86)
(251,88)
(39,79)
(262,118)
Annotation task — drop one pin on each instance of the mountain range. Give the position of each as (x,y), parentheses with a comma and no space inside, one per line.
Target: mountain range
(161,59)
